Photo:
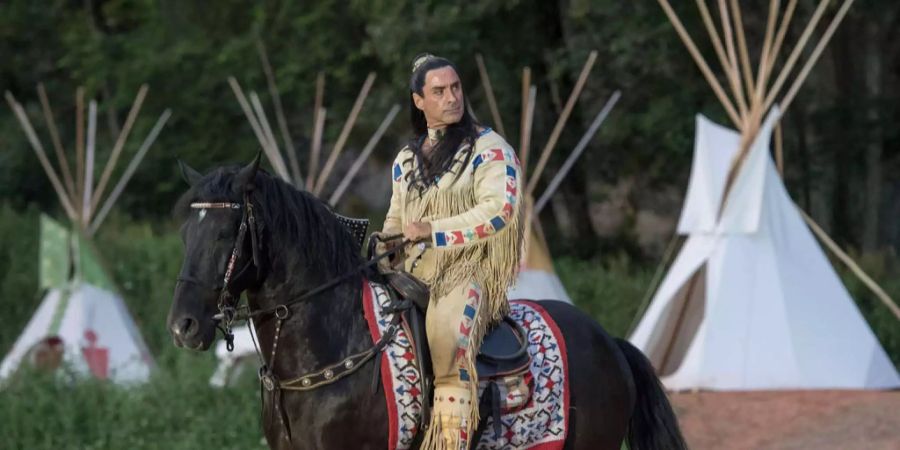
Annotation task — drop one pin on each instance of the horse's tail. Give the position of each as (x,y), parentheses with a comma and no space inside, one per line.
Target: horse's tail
(653,425)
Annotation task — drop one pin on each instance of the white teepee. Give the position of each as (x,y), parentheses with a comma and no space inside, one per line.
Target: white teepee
(751,302)
(95,334)
(81,322)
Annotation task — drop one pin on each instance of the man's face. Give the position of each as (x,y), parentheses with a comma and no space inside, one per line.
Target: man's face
(442,97)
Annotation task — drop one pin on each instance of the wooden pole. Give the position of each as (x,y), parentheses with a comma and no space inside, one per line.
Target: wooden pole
(25,123)
(318,130)
(764,58)
(57,143)
(576,153)
(89,165)
(363,156)
(273,153)
(489,93)
(279,114)
(119,145)
(345,133)
(829,32)
(526,87)
(742,47)
(846,259)
(795,54)
(529,122)
(255,125)
(79,145)
(561,122)
(735,73)
(730,70)
(701,63)
(129,171)
(782,32)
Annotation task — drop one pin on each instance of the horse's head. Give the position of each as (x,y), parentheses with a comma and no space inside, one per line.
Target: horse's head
(215,211)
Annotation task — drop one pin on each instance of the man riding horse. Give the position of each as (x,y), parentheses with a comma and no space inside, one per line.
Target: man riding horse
(456,194)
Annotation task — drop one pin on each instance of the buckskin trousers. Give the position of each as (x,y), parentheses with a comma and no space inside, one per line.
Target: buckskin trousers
(449,325)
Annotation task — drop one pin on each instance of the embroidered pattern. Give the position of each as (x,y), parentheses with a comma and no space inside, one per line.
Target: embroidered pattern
(397,173)
(465,329)
(495,224)
(399,372)
(542,423)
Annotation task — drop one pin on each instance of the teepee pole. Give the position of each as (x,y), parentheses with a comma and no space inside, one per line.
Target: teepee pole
(119,145)
(489,93)
(795,54)
(529,122)
(561,122)
(734,74)
(274,153)
(363,156)
(79,146)
(576,153)
(345,133)
(742,47)
(701,64)
(25,123)
(846,259)
(89,165)
(129,171)
(782,32)
(279,113)
(804,72)
(730,70)
(254,124)
(57,143)
(318,131)
(523,122)
(764,58)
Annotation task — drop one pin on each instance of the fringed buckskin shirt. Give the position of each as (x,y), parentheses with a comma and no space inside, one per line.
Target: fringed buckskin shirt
(475,218)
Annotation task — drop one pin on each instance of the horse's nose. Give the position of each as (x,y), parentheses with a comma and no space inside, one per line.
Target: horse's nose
(185,328)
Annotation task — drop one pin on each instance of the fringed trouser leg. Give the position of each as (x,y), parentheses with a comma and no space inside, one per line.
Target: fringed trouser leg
(455,330)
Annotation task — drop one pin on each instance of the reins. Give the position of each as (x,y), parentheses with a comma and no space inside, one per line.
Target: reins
(230,312)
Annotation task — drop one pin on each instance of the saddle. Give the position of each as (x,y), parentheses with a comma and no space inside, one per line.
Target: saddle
(502,363)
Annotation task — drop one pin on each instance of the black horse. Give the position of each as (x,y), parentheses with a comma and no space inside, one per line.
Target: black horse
(292,243)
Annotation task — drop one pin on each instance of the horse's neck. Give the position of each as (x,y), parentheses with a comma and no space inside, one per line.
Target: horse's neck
(319,331)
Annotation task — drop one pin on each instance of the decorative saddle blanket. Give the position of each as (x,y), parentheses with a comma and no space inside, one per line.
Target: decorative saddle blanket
(541,424)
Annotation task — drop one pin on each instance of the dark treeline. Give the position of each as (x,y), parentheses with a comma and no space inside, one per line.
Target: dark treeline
(841,143)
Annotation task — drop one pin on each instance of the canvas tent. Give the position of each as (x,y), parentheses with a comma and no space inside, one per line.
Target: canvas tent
(81,323)
(751,302)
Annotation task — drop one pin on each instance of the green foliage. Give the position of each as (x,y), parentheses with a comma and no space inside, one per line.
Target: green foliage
(610,291)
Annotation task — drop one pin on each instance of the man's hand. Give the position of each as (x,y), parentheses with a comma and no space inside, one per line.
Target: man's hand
(417,231)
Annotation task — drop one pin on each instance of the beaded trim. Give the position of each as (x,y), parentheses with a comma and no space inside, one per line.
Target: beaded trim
(219,205)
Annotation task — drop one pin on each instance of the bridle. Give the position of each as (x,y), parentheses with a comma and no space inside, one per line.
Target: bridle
(230,311)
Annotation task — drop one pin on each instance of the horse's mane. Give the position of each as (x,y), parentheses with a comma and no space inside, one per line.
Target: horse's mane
(296,220)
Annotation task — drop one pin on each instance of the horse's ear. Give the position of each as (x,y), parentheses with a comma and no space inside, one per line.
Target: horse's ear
(189,174)
(248,173)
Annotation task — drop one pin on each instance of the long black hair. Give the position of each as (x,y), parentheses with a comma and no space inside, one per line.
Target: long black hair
(440,160)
